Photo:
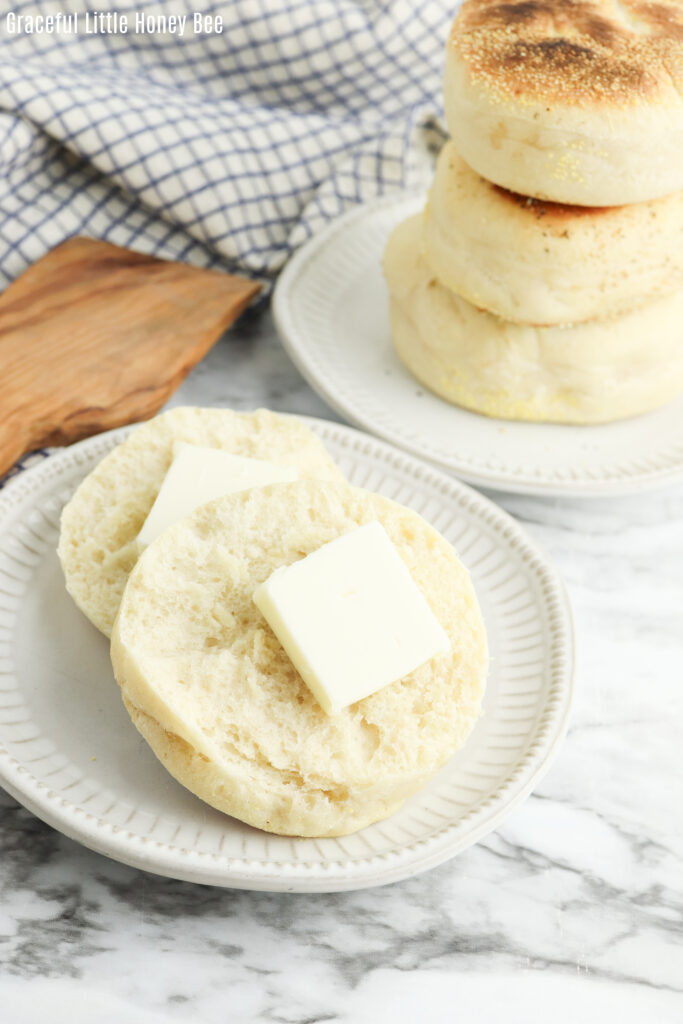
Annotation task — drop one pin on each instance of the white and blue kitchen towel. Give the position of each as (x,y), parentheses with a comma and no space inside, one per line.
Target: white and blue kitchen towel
(225,148)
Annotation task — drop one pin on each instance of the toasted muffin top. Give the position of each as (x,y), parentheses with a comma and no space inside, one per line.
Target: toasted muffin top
(585,53)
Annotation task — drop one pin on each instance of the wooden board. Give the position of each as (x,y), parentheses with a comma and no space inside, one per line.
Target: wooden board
(93,336)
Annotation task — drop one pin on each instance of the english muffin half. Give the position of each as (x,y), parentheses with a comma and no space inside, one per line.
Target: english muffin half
(213,692)
(101,522)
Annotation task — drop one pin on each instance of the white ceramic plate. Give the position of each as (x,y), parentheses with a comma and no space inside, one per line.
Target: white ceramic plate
(331,309)
(70,754)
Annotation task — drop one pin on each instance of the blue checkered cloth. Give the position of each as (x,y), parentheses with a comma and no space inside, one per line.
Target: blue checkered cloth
(226,149)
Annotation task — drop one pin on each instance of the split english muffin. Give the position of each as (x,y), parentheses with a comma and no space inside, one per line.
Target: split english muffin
(100,524)
(213,692)
(593,372)
(574,101)
(537,262)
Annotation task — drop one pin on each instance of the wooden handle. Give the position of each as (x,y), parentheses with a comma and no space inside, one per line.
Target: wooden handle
(93,336)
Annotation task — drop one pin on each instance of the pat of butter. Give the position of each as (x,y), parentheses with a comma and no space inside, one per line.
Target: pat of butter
(350,617)
(197,475)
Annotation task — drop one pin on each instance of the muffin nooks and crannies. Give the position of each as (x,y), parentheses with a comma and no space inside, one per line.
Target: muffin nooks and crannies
(576,101)
(211,689)
(100,525)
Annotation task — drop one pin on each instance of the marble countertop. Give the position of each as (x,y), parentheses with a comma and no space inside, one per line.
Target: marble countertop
(573,910)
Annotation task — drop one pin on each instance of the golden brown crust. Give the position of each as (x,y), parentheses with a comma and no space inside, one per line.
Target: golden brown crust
(552,212)
(585,53)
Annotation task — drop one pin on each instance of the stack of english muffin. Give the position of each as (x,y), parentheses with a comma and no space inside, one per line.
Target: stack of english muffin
(544,280)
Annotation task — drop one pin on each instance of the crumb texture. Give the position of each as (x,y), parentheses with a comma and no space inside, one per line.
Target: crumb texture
(100,524)
(212,690)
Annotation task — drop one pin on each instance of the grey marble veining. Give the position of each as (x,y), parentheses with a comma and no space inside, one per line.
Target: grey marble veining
(573,910)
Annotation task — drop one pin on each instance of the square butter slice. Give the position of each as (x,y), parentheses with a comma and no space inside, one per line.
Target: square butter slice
(199,474)
(350,617)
